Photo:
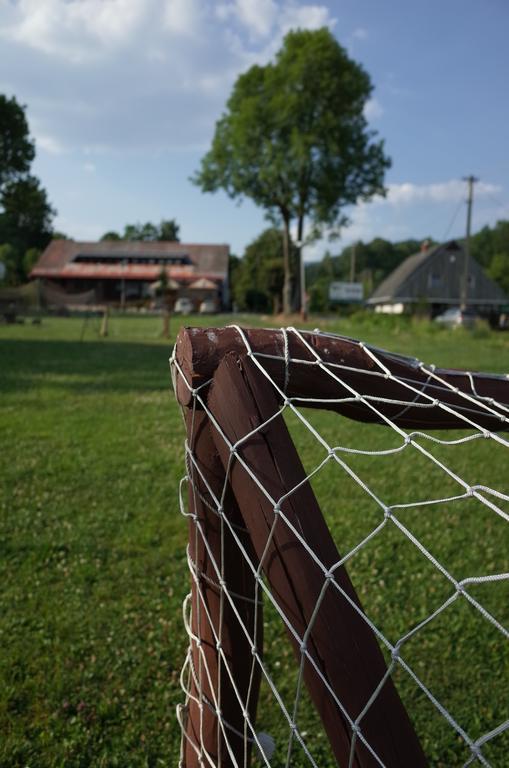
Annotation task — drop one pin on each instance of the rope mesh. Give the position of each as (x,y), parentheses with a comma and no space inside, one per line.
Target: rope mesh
(420,523)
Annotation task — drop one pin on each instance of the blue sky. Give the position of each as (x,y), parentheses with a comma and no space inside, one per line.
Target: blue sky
(122,97)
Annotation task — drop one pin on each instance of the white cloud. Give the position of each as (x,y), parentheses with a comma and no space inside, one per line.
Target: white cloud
(183,17)
(48,144)
(360,34)
(440,192)
(76,31)
(258,16)
(415,211)
(111,75)
(295,16)
(89,167)
(373,109)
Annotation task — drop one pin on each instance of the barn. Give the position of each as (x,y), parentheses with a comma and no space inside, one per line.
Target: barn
(434,279)
(123,272)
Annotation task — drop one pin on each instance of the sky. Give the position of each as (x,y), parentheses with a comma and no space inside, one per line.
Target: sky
(122,97)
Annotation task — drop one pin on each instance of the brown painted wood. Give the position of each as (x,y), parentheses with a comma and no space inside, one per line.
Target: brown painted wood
(202,728)
(200,350)
(340,642)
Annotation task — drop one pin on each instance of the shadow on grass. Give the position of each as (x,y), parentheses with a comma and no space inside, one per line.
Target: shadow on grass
(83,367)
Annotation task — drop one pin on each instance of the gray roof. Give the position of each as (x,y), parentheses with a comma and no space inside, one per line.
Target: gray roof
(436,275)
(389,287)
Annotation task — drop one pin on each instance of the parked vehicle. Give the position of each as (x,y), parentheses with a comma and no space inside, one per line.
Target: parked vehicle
(183,306)
(208,307)
(455,317)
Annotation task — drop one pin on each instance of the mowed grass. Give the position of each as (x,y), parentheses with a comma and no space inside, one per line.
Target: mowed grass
(92,548)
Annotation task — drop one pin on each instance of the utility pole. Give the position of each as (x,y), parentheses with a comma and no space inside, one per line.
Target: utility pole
(352,262)
(471,180)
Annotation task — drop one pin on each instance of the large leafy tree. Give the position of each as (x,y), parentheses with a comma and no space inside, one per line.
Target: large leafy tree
(16,148)
(25,212)
(294,139)
(25,221)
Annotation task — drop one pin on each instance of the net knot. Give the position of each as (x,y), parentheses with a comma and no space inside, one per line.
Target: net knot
(277,509)
(387,512)
(395,653)
(303,647)
(356,729)
(329,575)
(219,647)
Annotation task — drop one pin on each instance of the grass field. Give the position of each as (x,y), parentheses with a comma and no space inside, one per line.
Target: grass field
(92,546)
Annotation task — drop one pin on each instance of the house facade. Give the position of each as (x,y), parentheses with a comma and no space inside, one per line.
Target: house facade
(434,278)
(126,272)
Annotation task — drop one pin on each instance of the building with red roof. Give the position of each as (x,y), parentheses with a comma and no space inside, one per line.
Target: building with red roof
(123,271)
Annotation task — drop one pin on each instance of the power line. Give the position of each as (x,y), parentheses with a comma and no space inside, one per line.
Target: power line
(451,223)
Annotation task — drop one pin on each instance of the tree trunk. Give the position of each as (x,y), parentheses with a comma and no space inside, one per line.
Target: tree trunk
(287,284)
(298,303)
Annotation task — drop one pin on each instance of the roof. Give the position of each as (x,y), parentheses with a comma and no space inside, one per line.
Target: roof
(143,272)
(203,283)
(59,259)
(388,288)
(437,275)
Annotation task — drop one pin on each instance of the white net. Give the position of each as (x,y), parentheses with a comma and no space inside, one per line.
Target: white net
(301,653)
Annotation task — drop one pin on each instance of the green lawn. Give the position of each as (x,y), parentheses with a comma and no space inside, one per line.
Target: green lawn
(92,547)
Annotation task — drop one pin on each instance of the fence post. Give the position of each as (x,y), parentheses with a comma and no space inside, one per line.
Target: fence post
(344,655)
(225,621)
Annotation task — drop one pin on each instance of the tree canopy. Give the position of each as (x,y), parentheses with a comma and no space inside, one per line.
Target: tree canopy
(373,262)
(166,230)
(25,212)
(259,275)
(295,140)
(16,148)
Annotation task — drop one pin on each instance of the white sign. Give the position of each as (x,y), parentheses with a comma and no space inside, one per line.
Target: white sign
(346,292)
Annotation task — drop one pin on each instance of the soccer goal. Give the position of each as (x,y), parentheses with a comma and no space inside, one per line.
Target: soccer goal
(348,551)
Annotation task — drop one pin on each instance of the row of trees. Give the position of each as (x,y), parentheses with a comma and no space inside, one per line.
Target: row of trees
(490,246)
(258,278)
(25,212)
(372,261)
(167,230)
